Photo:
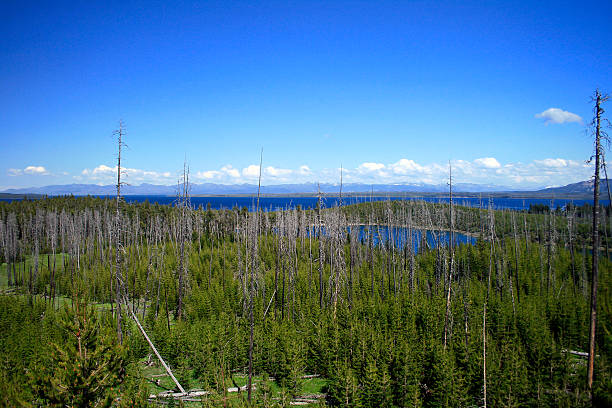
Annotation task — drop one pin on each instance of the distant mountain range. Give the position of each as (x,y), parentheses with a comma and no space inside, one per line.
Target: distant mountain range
(582,189)
(229,189)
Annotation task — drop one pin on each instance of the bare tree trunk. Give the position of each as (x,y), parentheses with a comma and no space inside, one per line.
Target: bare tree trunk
(311,230)
(484,309)
(321,253)
(252,288)
(451,252)
(539,233)
(118,274)
(351,267)
(277,267)
(484,353)
(212,250)
(183,236)
(167,311)
(466,318)
(510,284)
(371,256)
(223,267)
(284,277)
(160,267)
(599,99)
(549,251)
(149,266)
(570,233)
(516,259)
(161,360)
(526,233)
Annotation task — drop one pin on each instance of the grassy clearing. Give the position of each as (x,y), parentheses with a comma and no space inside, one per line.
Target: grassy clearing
(159,382)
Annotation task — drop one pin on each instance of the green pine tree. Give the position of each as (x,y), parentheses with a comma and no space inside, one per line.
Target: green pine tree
(86,369)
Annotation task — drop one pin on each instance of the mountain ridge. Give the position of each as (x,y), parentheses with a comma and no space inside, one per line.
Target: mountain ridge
(245,188)
(579,189)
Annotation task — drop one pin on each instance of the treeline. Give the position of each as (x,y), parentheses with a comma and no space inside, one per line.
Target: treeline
(502,321)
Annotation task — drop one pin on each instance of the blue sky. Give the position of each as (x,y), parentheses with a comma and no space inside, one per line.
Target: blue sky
(390,91)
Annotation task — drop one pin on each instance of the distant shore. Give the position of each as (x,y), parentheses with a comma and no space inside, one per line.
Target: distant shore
(456,195)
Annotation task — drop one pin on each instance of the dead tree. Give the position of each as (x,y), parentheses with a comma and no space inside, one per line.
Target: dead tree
(118,244)
(120,289)
(321,253)
(183,236)
(570,214)
(52,239)
(484,308)
(411,249)
(11,247)
(451,252)
(599,136)
(335,229)
(252,284)
(371,246)
(5,248)
(550,248)
(277,263)
(353,252)
(516,258)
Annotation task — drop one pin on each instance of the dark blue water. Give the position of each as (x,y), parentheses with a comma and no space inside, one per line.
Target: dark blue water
(274,203)
(399,238)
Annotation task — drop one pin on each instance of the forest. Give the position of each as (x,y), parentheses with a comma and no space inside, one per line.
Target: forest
(364,204)
(366,305)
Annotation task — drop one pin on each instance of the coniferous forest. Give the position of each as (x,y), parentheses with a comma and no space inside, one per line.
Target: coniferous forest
(365,204)
(366,305)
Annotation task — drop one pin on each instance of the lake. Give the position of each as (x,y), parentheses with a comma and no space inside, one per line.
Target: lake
(399,237)
(274,203)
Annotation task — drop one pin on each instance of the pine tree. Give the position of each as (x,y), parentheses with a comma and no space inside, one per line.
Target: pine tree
(404,373)
(371,391)
(343,388)
(87,368)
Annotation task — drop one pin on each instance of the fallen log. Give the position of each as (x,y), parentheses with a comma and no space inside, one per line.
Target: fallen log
(578,353)
(184,396)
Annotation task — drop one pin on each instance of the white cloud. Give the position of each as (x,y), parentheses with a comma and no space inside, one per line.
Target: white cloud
(405,166)
(230,171)
(227,174)
(276,172)
(558,116)
(370,167)
(484,170)
(103,169)
(210,174)
(488,162)
(251,171)
(106,174)
(36,170)
(29,170)
(553,162)
(304,170)
(463,166)
(369,170)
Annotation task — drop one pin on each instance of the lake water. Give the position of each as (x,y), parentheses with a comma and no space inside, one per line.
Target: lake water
(399,237)
(274,203)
